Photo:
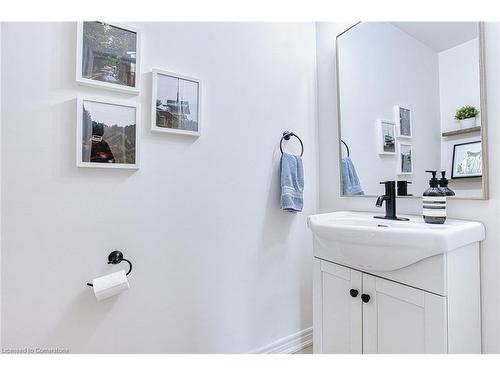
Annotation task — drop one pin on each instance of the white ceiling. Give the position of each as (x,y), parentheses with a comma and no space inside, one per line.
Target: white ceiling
(440,36)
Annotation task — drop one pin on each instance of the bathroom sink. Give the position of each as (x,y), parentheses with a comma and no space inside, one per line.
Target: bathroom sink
(359,240)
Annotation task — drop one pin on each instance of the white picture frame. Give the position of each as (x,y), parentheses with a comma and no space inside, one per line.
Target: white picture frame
(181,116)
(467,161)
(111,72)
(386,137)
(403,116)
(103,115)
(405,166)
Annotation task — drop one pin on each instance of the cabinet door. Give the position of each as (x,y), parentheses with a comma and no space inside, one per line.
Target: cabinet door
(401,319)
(337,313)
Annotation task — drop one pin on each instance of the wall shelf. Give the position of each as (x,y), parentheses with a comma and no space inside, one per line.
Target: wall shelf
(461,131)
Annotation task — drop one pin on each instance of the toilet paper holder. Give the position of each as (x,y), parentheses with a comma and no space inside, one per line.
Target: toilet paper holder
(116,257)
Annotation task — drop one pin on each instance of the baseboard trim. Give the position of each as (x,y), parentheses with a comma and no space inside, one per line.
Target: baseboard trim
(289,344)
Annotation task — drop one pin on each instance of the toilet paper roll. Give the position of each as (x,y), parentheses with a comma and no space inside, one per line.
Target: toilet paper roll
(110,285)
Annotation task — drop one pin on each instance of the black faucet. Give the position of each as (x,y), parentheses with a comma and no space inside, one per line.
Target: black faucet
(390,202)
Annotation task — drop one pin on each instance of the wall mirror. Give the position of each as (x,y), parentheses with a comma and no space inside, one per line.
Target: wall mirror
(411,98)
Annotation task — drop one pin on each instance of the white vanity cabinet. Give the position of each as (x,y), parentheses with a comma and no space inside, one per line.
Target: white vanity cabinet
(401,319)
(392,287)
(358,312)
(341,329)
(361,313)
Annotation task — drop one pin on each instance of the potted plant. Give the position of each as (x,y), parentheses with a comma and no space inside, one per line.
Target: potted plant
(466,116)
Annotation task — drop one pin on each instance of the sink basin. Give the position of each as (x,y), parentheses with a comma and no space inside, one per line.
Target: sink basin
(359,240)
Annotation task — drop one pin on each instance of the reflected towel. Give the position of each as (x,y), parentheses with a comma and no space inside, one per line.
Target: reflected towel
(350,180)
(292,183)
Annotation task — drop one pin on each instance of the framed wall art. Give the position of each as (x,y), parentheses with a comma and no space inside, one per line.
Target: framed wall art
(386,137)
(467,160)
(108,56)
(107,134)
(405,158)
(176,103)
(404,121)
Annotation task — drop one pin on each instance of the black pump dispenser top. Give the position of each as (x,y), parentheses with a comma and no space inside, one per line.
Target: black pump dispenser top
(443,181)
(443,184)
(433,182)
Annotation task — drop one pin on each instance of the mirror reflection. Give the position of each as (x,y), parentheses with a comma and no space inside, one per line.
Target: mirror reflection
(410,101)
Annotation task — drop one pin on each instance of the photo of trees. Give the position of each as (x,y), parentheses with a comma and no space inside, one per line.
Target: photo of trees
(109,54)
(108,133)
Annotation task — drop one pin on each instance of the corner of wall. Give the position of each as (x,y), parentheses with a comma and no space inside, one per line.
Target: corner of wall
(0,184)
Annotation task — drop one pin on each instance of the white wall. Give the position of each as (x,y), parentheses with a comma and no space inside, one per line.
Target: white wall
(0,183)
(217,266)
(458,86)
(484,211)
(458,81)
(374,77)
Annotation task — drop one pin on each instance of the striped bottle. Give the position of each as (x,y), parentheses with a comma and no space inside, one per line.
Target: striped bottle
(434,202)
(434,209)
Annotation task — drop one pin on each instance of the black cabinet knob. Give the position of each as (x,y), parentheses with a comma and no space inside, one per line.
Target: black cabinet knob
(354,293)
(365,298)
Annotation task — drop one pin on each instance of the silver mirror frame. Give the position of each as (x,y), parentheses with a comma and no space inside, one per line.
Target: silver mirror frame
(483,115)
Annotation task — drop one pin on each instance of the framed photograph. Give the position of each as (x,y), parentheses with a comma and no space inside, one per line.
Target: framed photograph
(386,137)
(107,134)
(176,103)
(405,159)
(467,160)
(108,56)
(404,121)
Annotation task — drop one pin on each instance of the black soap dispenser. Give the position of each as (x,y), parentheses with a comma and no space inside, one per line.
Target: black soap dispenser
(434,202)
(443,184)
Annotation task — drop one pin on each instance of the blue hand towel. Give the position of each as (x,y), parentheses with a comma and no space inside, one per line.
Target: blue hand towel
(350,180)
(292,183)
